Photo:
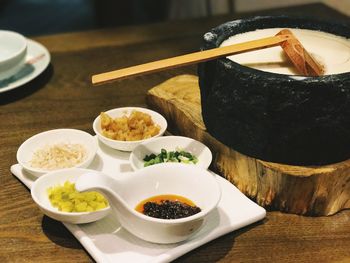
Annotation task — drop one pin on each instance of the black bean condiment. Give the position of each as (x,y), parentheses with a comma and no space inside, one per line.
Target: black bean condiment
(167,207)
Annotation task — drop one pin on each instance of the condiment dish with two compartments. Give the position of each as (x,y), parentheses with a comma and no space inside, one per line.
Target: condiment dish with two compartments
(124,193)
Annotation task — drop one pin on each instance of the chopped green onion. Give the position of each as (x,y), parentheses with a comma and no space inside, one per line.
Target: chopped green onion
(178,156)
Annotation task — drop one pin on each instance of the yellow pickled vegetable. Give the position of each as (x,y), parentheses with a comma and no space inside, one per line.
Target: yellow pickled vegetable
(67,199)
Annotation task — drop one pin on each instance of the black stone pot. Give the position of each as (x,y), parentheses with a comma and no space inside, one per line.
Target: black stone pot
(273,117)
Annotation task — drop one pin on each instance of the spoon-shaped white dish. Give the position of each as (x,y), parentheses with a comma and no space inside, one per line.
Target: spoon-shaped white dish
(192,182)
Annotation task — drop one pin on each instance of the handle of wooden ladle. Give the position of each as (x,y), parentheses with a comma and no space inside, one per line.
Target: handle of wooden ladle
(298,55)
(188,59)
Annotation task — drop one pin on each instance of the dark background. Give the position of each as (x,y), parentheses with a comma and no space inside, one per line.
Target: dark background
(38,17)
(42,17)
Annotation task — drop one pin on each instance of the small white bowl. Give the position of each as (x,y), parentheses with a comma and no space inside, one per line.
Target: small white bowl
(170,143)
(26,150)
(128,146)
(40,196)
(13,51)
(126,192)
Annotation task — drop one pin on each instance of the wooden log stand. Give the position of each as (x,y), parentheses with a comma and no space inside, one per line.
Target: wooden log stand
(313,191)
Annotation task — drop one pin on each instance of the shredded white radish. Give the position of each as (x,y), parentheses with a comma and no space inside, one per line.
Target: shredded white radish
(60,155)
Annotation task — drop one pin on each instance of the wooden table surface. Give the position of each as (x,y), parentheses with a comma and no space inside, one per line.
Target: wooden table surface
(62,97)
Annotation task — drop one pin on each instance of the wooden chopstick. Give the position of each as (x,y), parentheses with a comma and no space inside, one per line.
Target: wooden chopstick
(188,59)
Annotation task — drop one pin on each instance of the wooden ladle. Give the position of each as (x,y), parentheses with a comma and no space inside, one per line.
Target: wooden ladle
(298,55)
(301,59)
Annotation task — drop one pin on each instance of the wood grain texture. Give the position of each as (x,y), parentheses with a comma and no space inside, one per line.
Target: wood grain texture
(315,191)
(63,97)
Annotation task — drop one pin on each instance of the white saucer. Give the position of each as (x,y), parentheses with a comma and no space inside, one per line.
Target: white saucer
(30,70)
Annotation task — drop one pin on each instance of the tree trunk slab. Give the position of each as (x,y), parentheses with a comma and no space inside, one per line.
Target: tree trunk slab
(304,190)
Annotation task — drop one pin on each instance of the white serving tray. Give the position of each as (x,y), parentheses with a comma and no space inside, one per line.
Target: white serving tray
(107,241)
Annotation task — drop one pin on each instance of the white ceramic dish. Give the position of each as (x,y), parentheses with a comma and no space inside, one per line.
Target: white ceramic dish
(119,112)
(27,149)
(170,143)
(40,196)
(106,241)
(13,50)
(192,182)
(37,60)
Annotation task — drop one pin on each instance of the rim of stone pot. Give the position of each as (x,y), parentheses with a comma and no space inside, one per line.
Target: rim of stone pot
(217,35)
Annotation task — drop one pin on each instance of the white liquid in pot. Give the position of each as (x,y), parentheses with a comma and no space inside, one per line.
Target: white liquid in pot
(332,51)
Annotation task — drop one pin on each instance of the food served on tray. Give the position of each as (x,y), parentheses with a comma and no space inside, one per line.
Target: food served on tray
(67,199)
(177,156)
(167,207)
(137,126)
(59,155)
